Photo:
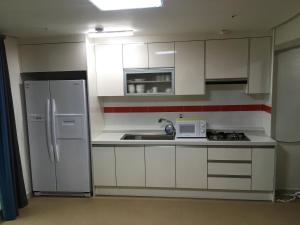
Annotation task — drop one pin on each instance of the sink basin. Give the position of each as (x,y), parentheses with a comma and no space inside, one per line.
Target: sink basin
(147,137)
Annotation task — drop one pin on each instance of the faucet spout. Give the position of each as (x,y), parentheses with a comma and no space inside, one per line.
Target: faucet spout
(169,127)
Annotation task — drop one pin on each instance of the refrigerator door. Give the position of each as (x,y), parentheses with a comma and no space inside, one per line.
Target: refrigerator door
(287,96)
(70,133)
(41,152)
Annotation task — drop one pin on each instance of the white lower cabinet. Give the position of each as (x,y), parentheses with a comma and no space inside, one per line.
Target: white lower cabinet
(191,167)
(235,169)
(130,166)
(104,165)
(263,169)
(224,153)
(223,183)
(160,166)
(220,170)
(229,168)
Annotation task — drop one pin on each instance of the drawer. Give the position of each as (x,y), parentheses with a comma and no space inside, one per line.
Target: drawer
(229,154)
(229,169)
(225,183)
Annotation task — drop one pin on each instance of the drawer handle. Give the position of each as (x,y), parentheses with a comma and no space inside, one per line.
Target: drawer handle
(230,161)
(228,176)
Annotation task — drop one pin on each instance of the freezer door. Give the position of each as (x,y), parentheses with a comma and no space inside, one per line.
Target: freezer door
(41,153)
(71,135)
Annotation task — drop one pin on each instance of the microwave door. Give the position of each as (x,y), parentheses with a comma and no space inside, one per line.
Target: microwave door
(186,130)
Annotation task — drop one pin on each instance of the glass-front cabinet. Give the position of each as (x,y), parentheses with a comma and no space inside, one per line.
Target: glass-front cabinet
(140,82)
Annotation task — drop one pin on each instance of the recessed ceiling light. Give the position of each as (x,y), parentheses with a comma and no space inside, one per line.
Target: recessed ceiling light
(107,5)
(124,33)
(165,52)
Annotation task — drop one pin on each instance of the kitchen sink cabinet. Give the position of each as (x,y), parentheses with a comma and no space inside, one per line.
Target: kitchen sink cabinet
(226,59)
(229,172)
(52,57)
(135,56)
(189,68)
(161,55)
(263,169)
(191,167)
(130,166)
(104,165)
(259,80)
(109,69)
(160,166)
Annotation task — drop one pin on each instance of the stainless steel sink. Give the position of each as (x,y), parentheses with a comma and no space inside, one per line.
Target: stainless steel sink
(147,137)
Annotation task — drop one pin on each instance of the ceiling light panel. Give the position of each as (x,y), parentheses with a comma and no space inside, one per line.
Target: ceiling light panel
(108,5)
(110,34)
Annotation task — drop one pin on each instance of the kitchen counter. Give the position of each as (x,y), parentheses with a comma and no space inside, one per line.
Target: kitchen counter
(257,138)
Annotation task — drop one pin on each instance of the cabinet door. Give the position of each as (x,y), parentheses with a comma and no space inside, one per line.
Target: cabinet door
(260,65)
(161,54)
(104,166)
(189,68)
(263,169)
(109,68)
(53,57)
(130,166)
(135,55)
(191,167)
(160,166)
(227,59)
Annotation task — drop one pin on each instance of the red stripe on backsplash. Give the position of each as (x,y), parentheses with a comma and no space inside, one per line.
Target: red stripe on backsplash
(267,108)
(204,108)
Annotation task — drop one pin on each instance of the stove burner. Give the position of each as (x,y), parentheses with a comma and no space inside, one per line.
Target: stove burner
(226,136)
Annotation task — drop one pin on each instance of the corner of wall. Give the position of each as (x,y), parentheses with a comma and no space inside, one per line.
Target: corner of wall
(12,54)
(95,102)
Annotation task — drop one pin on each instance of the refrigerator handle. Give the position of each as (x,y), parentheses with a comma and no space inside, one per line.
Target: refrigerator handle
(48,132)
(55,146)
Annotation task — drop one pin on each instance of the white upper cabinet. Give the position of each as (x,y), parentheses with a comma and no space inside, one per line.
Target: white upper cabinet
(189,68)
(135,55)
(227,59)
(109,68)
(53,57)
(260,65)
(161,54)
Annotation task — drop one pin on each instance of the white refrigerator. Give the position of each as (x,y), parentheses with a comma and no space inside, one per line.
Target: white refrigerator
(58,136)
(287,92)
(286,118)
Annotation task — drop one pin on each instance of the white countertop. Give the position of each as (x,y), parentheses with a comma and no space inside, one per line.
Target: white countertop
(114,138)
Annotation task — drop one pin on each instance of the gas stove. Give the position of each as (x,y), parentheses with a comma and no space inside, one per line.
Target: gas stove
(214,135)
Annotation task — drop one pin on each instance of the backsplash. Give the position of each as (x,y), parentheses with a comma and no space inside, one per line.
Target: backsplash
(224,107)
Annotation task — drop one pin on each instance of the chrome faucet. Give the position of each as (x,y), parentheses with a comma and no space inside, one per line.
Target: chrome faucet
(169,127)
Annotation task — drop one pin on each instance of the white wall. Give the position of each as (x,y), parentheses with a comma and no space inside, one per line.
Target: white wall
(11,45)
(288,34)
(95,103)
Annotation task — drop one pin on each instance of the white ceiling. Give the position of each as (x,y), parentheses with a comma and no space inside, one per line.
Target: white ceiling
(30,18)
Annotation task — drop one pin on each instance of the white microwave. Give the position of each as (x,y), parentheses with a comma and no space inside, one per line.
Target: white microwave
(190,128)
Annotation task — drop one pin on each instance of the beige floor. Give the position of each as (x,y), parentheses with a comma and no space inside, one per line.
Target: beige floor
(146,211)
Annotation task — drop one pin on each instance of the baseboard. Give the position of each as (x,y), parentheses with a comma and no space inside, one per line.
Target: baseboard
(29,195)
(286,191)
(205,194)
